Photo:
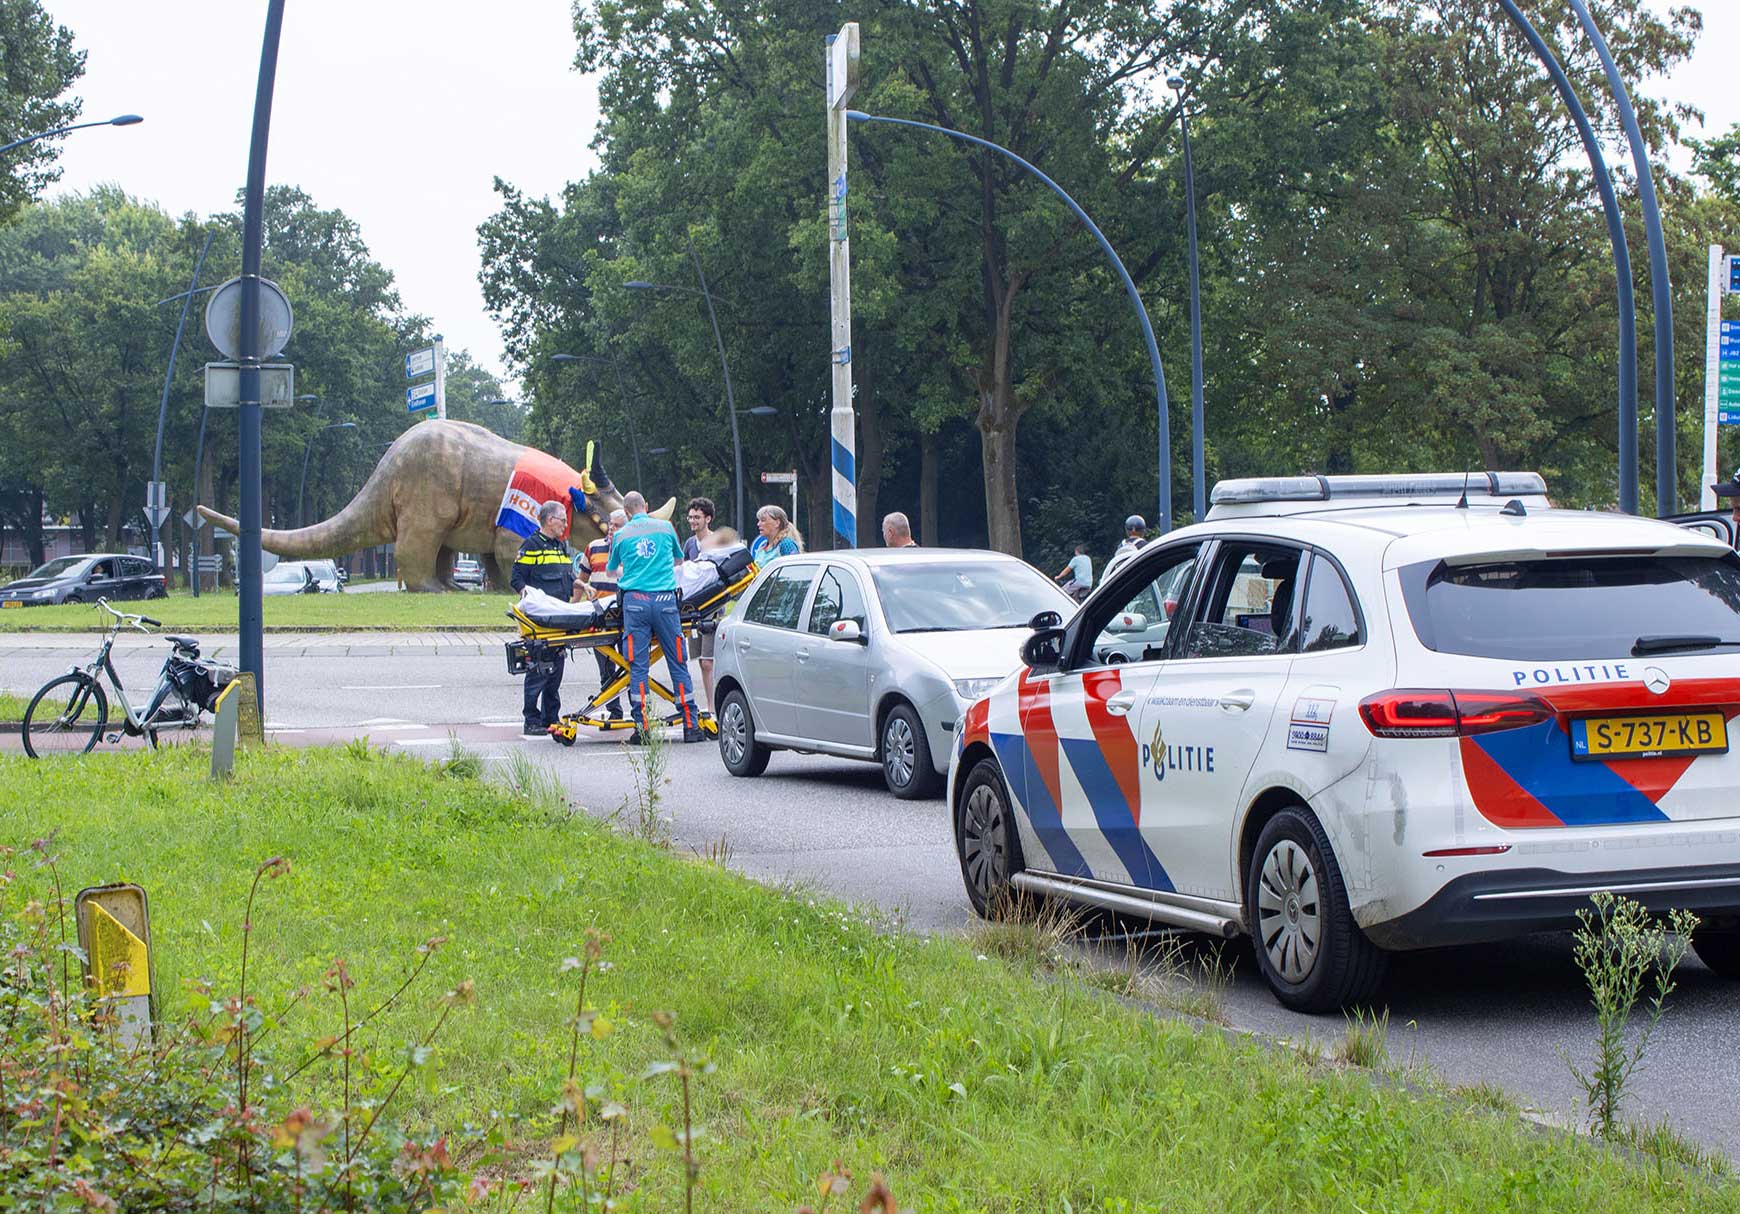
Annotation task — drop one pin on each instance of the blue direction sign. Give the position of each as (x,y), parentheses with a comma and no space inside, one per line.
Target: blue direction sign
(1734,275)
(419,362)
(419,397)
(1728,417)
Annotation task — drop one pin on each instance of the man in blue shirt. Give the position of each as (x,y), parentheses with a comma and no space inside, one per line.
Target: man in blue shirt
(645,556)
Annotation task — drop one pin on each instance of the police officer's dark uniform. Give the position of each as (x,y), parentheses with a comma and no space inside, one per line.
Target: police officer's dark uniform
(545,564)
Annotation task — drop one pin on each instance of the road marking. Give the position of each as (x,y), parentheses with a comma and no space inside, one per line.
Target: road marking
(419,741)
(389,728)
(394,687)
(283,729)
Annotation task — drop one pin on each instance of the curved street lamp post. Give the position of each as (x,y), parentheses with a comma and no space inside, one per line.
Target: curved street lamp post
(1621,256)
(622,392)
(308,450)
(1198,491)
(724,368)
(1165,436)
(118,120)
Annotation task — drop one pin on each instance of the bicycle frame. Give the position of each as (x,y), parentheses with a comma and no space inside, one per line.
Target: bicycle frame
(134,721)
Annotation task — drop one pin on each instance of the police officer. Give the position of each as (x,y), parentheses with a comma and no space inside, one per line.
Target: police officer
(645,556)
(543,562)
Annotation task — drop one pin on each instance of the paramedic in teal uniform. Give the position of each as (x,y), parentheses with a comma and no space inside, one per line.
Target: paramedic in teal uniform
(645,556)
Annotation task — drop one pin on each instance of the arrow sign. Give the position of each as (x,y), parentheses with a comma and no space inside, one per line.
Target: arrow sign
(420,397)
(193,519)
(419,362)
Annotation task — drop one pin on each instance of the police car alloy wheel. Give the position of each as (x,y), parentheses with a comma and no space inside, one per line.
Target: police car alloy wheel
(985,838)
(1309,950)
(738,749)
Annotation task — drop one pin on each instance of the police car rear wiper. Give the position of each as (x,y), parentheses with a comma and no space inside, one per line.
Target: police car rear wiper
(1670,643)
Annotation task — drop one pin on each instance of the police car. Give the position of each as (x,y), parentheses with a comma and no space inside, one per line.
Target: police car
(1384,713)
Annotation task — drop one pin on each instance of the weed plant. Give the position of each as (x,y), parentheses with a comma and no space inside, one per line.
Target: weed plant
(1620,948)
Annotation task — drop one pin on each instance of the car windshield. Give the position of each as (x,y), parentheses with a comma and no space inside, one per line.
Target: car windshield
(936,597)
(58,566)
(285,573)
(1569,608)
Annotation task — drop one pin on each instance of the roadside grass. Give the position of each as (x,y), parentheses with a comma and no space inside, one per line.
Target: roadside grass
(216,612)
(942,1065)
(12,707)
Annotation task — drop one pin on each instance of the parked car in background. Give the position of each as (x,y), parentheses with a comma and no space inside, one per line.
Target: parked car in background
(85,579)
(468,573)
(872,655)
(327,573)
(289,577)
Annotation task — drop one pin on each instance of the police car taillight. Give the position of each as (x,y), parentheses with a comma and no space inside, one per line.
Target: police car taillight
(1416,713)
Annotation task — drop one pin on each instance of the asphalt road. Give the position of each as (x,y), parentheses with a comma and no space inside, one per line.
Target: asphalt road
(1499,1015)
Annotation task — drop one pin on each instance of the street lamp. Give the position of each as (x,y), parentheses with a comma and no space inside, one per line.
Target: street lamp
(621,391)
(120,120)
(306,452)
(1165,435)
(724,367)
(1198,491)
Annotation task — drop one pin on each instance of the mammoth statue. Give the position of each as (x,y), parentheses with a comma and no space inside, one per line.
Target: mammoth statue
(447,487)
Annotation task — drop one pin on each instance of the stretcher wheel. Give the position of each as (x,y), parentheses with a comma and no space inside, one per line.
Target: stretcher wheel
(563,732)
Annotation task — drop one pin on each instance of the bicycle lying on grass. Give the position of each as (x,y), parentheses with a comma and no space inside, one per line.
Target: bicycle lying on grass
(70,713)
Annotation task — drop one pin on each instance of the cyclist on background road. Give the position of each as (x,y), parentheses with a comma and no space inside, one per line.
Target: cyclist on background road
(1077,576)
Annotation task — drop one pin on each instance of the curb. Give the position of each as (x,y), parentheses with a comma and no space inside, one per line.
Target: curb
(313,629)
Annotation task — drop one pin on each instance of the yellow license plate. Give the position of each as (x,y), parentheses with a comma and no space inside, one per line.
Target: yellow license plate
(11,603)
(1680,733)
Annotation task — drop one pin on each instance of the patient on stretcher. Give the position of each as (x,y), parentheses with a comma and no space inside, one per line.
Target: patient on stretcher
(698,581)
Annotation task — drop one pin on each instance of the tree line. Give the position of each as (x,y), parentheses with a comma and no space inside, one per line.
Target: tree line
(1404,267)
(1404,262)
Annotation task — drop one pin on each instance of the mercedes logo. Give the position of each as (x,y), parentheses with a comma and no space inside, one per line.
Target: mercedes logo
(1656,679)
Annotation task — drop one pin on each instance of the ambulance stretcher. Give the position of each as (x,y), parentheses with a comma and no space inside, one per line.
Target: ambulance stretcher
(545,629)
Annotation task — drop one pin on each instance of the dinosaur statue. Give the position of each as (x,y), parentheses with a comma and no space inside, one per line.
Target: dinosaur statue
(447,487)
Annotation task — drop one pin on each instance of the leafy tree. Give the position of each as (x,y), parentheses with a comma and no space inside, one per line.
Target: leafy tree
(38,64)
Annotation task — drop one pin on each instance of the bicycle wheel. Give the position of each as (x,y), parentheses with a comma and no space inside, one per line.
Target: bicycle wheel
(66,717)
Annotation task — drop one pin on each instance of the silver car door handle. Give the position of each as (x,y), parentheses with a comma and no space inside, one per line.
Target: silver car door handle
(1238,701)
(803,655)
(1120,704)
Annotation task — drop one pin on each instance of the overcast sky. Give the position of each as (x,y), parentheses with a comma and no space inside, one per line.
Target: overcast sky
(401,112)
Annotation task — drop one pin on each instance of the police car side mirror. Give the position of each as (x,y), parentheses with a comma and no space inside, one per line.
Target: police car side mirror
(1043,650)
(1044,620)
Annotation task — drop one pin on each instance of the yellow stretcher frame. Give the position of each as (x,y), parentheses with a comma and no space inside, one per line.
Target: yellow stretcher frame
(608,641)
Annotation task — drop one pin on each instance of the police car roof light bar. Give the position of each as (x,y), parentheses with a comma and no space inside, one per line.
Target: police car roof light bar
(1255,489)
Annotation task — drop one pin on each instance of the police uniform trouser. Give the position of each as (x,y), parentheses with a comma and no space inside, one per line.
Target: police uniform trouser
(545,687)
(647,615)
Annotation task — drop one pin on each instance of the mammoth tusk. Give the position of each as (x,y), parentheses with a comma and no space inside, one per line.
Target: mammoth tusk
(667,510)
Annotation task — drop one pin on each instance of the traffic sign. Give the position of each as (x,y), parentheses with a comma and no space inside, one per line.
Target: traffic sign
(420,397)
(223,385)
(419,362)
(156,514)
(779,478)
(194,519)
(223,319)
(1734,275)
(1728,417)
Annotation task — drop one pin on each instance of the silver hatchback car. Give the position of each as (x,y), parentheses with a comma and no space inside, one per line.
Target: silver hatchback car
(873,654)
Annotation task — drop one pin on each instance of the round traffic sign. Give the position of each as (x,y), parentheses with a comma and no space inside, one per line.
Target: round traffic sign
(223,319)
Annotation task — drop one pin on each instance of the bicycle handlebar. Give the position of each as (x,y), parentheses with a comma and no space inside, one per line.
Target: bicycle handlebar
(137,621)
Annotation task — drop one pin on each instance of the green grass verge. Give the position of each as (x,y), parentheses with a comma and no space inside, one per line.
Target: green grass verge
(970,1085)
(217,613)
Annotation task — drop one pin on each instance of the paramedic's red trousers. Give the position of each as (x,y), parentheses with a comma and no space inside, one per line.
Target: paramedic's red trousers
(646,616)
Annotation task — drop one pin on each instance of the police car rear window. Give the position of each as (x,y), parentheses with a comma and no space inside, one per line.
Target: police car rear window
(1575,607)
